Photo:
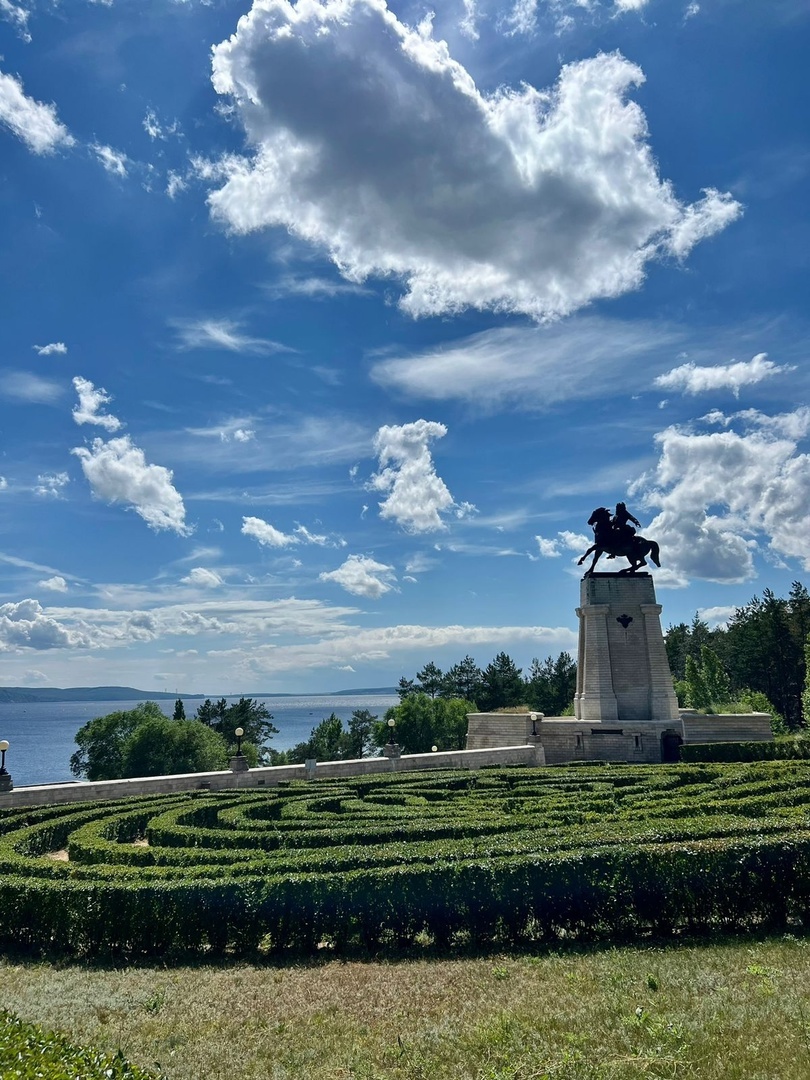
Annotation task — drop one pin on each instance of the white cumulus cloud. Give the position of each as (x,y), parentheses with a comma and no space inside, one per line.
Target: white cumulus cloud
(362,576)
(51,484)
(722,493)
(50,350)
(692,379)
(266,534)
(416,496)
(32,121)
(26,625)
(54,584)
(201,576)
(370,141)
(118,472)
(91,399)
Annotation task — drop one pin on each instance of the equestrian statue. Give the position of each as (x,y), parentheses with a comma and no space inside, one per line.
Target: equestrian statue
(616,537)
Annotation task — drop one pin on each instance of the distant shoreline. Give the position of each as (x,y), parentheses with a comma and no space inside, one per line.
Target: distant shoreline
(17,695)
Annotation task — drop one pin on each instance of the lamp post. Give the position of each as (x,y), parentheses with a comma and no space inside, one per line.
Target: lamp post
(239,761)
(391,748)
(533,718)
(6,783)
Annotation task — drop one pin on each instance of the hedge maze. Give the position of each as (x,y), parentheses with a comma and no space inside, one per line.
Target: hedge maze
(440,859)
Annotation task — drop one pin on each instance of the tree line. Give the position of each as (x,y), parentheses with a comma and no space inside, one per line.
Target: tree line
(548,687)
(760,657)
(758,661)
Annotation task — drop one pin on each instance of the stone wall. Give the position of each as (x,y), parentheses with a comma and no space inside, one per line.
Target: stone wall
(725,727)
(566,739)
(270,776)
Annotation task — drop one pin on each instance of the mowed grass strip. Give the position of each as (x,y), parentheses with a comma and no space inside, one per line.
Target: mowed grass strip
(722,1011)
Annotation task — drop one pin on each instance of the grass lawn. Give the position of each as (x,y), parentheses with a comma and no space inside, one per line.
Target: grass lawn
(733,1009)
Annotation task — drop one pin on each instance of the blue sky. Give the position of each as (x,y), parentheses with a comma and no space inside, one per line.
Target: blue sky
(325,326)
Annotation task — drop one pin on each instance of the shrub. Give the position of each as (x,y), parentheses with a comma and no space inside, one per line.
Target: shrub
(28,1052)
(499,856)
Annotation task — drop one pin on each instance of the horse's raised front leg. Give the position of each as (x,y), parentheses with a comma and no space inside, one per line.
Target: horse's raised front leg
(587,553)
(599,552)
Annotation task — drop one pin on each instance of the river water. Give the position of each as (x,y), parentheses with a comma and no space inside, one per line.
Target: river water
(41,734)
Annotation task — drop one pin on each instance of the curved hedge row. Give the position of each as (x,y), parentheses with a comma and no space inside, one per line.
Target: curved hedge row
(28,1052)
(501,855)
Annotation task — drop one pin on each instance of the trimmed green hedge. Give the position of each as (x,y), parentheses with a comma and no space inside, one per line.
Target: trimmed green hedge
(28,1052)
(506,856)
(778,750)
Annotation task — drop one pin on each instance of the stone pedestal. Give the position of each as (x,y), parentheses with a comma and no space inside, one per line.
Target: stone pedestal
(239,763)
(622,672)
(6,783)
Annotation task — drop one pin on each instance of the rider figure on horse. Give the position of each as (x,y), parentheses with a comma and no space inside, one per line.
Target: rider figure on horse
(620,523)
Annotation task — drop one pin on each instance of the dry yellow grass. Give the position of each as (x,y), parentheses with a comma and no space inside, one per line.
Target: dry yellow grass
(719,1012)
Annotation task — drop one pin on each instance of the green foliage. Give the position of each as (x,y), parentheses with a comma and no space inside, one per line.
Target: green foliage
(429,680)
(179,710)
(28,1052)
(159,747)
(252,716)
(778,750)
(463,680)
(422,722)
(361,733)
(806,688)
(551,685)
(330,741)
(502,685)
(761,649)
(697,692)
(102,741)
(503,856)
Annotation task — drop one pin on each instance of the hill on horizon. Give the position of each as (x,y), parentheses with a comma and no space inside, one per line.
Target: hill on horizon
(23,694)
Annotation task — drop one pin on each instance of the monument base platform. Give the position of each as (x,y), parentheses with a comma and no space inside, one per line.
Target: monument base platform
(566,739)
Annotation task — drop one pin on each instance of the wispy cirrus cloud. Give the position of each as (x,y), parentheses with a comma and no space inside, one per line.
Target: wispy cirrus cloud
(113,161)
(222,334)
(313,288)
(28,387)
(532,368)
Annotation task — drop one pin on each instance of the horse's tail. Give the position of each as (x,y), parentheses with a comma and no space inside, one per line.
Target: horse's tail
(654,552)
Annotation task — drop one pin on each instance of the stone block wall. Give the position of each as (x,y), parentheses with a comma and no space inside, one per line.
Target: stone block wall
(270,776)
(725,727)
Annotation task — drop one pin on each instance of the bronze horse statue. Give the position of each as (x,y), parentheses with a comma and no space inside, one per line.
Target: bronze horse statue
(618,540)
